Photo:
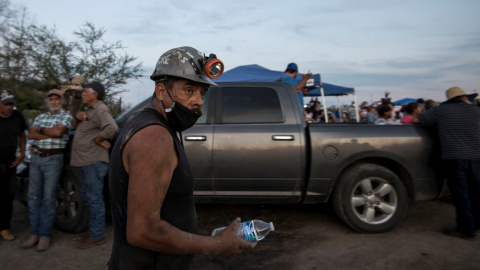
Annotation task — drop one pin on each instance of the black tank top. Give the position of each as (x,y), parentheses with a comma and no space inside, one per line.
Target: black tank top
(178,207)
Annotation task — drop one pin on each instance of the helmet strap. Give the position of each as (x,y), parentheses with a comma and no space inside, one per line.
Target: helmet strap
(173,102)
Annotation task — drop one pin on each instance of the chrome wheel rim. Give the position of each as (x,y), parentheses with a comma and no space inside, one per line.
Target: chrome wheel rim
(374,200)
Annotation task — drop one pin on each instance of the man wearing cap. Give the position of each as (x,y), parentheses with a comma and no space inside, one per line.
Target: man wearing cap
(150,181)
(290,75)
(94,127)
(50,134)
(458,124)
(12,136)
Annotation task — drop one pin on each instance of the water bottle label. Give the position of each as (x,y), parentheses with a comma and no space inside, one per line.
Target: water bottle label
(249,231)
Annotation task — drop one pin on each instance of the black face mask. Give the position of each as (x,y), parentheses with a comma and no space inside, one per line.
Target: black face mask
(180,117)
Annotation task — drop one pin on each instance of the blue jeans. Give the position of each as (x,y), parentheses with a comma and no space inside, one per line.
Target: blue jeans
(463,179)
(92,194)
(42,193)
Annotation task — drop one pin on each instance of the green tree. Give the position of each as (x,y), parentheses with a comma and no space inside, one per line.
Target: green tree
(101,61)
(33,57)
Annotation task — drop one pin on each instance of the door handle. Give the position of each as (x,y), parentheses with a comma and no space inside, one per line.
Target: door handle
(283,137)
(195,138)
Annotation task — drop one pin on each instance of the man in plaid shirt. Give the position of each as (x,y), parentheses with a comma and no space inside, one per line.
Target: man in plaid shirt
(50,132)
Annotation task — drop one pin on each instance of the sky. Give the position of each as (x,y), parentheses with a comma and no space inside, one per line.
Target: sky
(414,49)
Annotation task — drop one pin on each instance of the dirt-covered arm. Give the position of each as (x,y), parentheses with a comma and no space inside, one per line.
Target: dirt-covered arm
(149,178)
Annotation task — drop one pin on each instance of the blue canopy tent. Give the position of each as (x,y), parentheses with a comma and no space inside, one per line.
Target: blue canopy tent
(250,73)
(331,90)
(404,101)
(260,74)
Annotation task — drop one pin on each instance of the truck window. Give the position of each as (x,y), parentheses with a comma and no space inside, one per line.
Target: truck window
(251,105)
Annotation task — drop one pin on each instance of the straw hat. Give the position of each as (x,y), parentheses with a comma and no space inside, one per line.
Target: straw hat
(456,91)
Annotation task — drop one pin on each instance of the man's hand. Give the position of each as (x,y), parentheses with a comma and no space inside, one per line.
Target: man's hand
(81,116)
(105,144)
(301,85)
(307,76)
(17,161)
(232,244)
(102,142)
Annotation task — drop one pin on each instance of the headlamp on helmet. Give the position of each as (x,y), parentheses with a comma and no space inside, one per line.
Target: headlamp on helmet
(188,63)
(212,66)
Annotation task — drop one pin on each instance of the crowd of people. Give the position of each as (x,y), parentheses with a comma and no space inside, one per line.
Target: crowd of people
(379,113)
(150,181)
(457,121)
(49,137)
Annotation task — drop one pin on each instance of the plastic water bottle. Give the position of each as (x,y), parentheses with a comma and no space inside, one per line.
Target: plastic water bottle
(253,230)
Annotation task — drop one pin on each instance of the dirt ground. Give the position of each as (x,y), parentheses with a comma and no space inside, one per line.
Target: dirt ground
(306,237)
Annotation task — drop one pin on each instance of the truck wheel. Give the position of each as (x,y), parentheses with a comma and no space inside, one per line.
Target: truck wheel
(370,198)
(72,214)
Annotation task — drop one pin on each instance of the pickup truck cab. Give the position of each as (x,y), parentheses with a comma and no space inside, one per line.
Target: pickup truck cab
(252,145)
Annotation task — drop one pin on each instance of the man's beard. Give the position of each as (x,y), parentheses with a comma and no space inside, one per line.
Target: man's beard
(55,108)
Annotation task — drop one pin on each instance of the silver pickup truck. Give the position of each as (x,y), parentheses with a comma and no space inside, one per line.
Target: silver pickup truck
(252,145)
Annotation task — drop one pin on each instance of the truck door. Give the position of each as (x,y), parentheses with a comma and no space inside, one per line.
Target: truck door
(257,148)
(198,143)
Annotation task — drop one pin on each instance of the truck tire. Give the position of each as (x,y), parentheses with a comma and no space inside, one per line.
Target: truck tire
(370,198)
(72,214)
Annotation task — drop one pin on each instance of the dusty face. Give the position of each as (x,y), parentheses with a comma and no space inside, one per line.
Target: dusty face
(89,96)
(54,103)
(6,110)
(189,94)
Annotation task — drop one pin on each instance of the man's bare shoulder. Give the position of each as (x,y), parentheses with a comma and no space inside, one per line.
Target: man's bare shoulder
(151,136)
(141,153)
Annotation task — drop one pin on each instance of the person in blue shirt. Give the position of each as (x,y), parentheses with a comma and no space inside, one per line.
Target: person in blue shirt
(290,75)
(371,114)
